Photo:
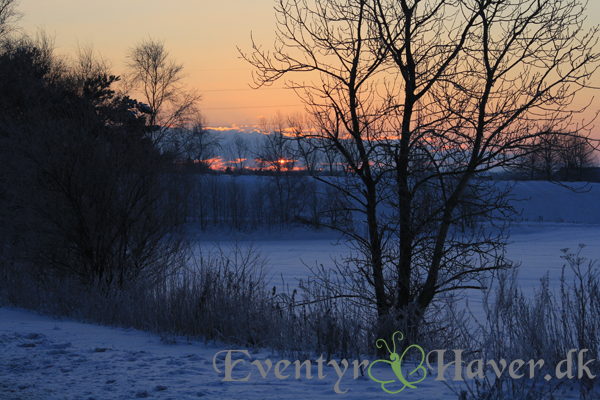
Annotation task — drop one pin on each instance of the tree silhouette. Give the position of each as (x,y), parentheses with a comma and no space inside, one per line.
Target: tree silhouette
(419,99)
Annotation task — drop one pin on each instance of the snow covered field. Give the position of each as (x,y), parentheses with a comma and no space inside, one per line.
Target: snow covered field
(46,358)
(553,218)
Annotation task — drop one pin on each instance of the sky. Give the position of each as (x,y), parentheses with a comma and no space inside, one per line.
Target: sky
(202,34)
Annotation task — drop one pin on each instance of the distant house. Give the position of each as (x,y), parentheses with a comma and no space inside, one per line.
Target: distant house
(571,174)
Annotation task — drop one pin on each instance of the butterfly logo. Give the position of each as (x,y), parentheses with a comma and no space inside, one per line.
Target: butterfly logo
(396,362)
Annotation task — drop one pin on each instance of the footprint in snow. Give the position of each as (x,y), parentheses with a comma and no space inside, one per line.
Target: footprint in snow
(62,346)
(33,336)
(100,350)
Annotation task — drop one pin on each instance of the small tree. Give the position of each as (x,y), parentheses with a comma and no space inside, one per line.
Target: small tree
(158,77)
(238,152)
(540,158)
(277,157)
(192,142)
(307,153)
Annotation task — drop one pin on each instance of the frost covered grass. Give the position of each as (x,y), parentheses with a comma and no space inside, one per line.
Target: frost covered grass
(546,326)
(223,296)
(225,302)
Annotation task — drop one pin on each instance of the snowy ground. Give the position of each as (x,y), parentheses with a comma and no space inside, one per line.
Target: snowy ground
(46,358)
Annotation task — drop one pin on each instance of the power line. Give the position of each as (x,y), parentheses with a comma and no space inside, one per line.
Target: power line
(239,108)
(239,90)
(220,69)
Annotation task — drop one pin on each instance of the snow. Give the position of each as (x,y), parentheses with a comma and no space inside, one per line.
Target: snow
(541,201)
(46,358)
(553,217)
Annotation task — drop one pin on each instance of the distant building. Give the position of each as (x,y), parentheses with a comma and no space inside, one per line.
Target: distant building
(571,174)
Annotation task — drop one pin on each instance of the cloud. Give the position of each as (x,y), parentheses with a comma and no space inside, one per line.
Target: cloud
(247,129)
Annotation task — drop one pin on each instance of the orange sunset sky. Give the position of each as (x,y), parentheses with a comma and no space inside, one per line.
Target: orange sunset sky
(203,35)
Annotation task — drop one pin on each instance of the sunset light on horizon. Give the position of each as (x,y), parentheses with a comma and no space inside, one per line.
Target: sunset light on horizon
(205,37)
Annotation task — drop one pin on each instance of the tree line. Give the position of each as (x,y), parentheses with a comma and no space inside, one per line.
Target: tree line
(553,156)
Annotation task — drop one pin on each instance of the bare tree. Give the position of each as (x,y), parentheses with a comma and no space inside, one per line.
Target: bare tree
(539,158)
(239,151)
(330,156)
(203,144)
(309,154)
(576,154)
(547,147)
(88,64)
(419,98)
(8,17)
(159,78)
(277,157)
(193,142)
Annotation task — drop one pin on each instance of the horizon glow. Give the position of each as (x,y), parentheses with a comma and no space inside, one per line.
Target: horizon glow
(204,36)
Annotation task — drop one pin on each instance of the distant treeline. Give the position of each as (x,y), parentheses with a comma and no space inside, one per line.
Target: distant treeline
(248,203)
